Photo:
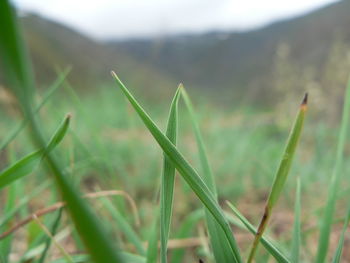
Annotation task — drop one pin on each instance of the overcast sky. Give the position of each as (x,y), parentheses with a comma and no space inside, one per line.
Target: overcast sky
(137,18)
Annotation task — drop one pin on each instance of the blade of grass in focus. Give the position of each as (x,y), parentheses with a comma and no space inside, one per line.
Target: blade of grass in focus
(185,170)
(19,73)
(271,248)
(297,225)
(168,178)
(281,175)
(326,223)
(218,240)
(338,252)
(27,164)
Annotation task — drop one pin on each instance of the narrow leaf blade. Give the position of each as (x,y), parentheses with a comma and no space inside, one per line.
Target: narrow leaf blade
(168,177)
(185,169)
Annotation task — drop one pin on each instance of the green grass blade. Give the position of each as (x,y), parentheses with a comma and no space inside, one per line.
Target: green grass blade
(338,252)
(185,169)
(218,240)
(272,249)
(281,175)
(168,177)
(297,226)
(328,213)
(20,75)
(27,164)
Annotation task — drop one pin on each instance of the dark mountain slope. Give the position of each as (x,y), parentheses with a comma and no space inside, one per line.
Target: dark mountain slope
(53,47)
(237,61)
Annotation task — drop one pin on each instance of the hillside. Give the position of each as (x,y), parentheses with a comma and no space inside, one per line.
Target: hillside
(54,47)
(246,63)
(310,52)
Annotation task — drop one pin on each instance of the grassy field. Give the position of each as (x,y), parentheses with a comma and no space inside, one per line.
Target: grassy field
(108,148)
(96,187)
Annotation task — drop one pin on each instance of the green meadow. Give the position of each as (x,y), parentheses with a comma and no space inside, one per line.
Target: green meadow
(108,176)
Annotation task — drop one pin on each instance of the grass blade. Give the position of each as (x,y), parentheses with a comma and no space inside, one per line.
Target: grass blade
(326,223)
(218,240)
(297,226)
(273,250)
(27,164)
(185,169)
(20,74)
(168,177)
(281,175)
(338,252)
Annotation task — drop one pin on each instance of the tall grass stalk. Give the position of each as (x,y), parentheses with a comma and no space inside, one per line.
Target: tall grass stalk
(281,175)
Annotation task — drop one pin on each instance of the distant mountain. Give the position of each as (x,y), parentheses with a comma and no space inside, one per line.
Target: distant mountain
(54,47)
(246,62)
(307,52)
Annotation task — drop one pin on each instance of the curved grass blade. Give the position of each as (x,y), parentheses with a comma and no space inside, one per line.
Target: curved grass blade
(281,175)
(273,250)
(168,177)
(338,252)
(185,169)
(17,129)
(297,226)
(218,240)
(27,164)
(326,223)
(20,74)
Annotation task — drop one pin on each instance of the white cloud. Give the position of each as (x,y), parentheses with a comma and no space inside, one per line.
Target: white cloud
(128,18)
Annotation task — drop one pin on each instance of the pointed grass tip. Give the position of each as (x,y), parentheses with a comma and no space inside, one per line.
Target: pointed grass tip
(304,102)
(114,74)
